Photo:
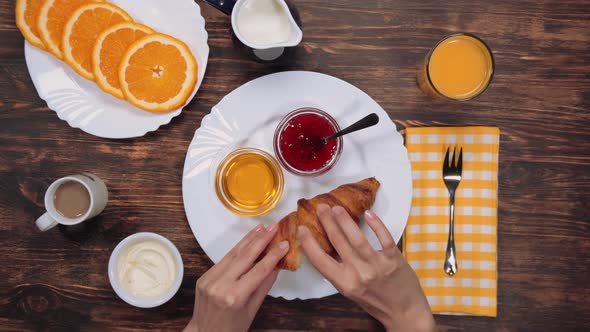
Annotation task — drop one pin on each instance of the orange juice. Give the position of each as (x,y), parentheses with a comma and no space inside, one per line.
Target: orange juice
(460,67)
(249,182)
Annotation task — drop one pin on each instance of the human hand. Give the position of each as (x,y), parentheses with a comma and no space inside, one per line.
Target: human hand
(231,292)
(381,282)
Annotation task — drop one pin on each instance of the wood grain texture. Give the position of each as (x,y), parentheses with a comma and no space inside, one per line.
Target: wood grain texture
(540,99)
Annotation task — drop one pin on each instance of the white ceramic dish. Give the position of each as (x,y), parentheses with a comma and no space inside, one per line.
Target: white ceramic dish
(82,104)
(247,117)
(143,302)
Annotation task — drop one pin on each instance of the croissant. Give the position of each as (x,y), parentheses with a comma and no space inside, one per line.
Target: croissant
(355,198)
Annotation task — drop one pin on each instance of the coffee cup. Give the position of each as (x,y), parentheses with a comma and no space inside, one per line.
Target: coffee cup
(72,200)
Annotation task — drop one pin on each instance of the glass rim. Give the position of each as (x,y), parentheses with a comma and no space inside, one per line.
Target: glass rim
(454,34)
(281,126)
(222,195)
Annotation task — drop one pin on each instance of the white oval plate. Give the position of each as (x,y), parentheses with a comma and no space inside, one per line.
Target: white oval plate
(247,117)
(82,104)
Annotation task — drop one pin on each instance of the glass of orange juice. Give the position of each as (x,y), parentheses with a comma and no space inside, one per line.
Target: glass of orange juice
(459,67)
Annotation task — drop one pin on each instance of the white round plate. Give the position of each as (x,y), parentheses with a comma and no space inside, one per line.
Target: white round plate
(84,105)
(247,117)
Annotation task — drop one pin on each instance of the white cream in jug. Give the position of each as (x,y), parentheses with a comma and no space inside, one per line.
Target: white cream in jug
(264,22)
(146,268)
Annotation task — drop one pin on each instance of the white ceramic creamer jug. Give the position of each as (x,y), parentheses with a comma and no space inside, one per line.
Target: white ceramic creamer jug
(266,26)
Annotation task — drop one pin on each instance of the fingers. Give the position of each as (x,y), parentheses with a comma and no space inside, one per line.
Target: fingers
(349,227)
(260,293)
(250,281)
(233,253)
(380,230)
(323,262)
(335,234)
(246,257)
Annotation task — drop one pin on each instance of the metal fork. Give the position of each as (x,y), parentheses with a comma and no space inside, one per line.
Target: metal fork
(452,176)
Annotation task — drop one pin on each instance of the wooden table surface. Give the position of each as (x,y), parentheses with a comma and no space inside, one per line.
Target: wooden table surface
(540,99)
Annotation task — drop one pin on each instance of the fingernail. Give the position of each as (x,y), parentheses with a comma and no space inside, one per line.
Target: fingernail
(323,207)
(301,231)
(284,245)
(339,210)
(259,228)
(370,215)
(272,227)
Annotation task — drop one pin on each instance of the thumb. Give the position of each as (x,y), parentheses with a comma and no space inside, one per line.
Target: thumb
(259,294)
(323,262)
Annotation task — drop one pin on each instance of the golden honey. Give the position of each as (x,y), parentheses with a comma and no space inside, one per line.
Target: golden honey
(249,182)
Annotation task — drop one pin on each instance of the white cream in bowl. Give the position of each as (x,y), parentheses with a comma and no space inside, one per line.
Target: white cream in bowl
(145,270)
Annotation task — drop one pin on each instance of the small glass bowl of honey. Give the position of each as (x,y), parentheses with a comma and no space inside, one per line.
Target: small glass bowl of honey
(249,182)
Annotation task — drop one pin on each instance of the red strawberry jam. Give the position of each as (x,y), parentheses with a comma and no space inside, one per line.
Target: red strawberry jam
(300,142)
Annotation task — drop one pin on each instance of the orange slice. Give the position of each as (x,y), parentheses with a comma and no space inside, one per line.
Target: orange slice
(81,31)
(108,51)
(158,73)
(52,19)
(27,12)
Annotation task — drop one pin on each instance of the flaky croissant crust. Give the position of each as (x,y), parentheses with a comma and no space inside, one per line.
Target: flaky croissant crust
(355,198)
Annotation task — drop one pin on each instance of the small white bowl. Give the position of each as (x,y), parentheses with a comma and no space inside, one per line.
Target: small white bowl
(144,302)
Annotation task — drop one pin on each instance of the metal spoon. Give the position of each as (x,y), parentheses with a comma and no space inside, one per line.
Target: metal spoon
(366,122)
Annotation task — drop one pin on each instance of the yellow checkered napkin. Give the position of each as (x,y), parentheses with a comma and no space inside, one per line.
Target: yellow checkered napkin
(472,290)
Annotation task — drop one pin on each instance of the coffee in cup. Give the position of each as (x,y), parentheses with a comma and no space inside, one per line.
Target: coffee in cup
(72,200)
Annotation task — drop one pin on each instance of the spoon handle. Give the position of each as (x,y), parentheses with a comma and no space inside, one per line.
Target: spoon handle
(366,122)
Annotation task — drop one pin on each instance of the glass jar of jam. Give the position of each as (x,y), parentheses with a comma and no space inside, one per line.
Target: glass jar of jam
(249,182)
(298,142)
